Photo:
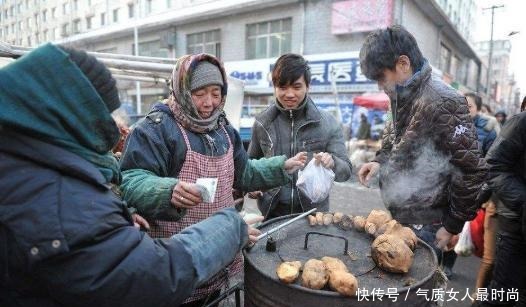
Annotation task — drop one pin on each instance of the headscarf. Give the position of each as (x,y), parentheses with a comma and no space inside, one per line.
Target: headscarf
(180,100)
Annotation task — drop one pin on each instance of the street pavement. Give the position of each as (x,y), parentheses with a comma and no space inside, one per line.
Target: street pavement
(353,198)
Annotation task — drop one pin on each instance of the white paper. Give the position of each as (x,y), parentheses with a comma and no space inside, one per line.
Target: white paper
(208,187)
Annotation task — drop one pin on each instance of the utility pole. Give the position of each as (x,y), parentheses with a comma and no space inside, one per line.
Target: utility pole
(490,55)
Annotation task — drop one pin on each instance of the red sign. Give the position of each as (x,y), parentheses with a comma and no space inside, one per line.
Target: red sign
(361,15)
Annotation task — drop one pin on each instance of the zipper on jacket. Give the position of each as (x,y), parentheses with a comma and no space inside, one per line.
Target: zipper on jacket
(291,155)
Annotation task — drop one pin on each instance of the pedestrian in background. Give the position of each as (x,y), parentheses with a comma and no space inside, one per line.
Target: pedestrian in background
(507,173)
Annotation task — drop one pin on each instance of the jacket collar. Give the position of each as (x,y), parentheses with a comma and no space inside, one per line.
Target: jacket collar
(309,109)
(411,87)
(51,156)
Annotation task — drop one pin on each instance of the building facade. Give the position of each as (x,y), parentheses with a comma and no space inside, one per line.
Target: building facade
(502,85)
(248,35)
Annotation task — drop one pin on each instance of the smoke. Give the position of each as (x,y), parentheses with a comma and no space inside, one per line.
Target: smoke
(417,178)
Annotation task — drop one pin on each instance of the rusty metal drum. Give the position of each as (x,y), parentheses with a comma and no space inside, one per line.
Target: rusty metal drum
(300,241)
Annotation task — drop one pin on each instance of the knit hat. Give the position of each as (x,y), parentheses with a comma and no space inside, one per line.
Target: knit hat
(99,76)
(205,74)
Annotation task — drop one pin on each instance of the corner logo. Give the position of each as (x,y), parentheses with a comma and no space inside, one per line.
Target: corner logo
(459,130)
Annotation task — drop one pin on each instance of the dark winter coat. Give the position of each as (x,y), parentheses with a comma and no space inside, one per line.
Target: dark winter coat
(431,168)
(286,132)
(507,172)
(155,152)
(66,239)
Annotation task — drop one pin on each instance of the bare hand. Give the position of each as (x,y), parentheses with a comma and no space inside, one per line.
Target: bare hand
(255,194)
(452,242)
(139,221)
(325,159)
(367,171)
(295,163)
(186,195)
(253,233)
(442,238)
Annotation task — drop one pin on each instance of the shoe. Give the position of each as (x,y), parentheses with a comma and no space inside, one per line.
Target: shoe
(448,272)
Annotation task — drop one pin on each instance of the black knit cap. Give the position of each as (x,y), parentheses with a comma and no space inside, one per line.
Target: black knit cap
(98,74)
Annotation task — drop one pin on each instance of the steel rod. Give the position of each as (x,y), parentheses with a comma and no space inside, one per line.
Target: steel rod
(261,236)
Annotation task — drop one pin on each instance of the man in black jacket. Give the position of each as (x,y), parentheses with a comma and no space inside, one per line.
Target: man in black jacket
(430,167)
(507,162)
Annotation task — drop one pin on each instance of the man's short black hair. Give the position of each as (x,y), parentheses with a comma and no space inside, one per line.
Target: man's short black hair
(289,68)
(477,98)
(383,47)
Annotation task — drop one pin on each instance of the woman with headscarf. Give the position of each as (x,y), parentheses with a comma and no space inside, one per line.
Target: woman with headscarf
(186,138)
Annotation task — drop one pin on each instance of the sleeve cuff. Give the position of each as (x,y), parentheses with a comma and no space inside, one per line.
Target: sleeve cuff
(451,224)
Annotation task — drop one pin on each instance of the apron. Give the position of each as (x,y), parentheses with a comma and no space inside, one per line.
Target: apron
(197,165)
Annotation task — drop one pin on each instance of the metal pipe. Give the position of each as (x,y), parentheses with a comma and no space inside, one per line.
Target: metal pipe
(261,236)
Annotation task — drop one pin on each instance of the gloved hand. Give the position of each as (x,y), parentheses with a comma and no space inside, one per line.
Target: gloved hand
(442,238)
(98,74)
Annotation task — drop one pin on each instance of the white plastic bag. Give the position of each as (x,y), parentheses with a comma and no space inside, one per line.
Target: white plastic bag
(465,245)
(315,181)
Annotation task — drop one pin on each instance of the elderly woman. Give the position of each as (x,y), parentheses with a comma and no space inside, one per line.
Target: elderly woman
(186,138)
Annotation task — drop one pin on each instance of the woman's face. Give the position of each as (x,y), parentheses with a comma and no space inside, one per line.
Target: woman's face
(206,100)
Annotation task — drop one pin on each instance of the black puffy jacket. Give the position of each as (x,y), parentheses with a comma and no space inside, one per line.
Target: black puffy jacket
(507,172)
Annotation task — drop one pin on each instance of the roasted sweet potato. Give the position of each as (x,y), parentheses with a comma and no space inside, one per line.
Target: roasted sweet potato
(315,274)
(359,223)
(327,219)
(312,220)
(288,271)
(337,217)
(319,218)
(343,282)
(376,219)
(392,254)
(334,264)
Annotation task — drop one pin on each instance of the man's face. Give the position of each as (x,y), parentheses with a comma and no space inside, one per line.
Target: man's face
(472,107)
(388,81)
(398,75)
(206,100)
(291,95)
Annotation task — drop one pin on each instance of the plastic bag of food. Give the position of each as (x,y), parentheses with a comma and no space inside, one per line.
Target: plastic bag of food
(315,181)
(465,245)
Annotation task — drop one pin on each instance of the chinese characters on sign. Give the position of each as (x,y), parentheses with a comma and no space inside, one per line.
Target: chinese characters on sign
(439,295)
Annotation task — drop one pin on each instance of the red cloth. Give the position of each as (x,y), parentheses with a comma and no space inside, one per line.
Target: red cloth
(477,232)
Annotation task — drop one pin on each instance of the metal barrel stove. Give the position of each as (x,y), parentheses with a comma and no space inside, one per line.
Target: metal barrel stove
(263,288)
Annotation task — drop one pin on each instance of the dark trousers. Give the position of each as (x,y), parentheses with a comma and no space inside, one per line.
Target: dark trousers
(509,273)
